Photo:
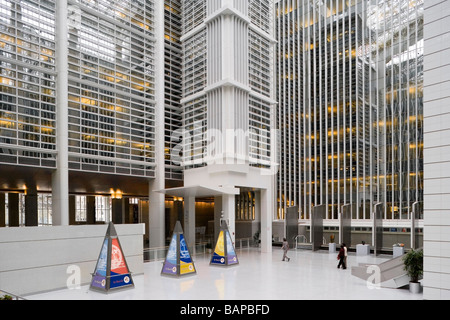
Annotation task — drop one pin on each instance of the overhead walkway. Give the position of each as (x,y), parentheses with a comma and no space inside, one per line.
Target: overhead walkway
(392,273)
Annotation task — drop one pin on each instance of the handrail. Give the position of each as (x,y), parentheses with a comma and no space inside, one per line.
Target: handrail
(4,295)
(159,253)
(240,240)
(300,236)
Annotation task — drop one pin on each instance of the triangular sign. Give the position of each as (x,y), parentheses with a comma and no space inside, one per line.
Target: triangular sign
(178,260)
(224,253)
(111,271)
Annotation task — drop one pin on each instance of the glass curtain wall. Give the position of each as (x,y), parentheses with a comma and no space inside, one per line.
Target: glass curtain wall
(350,110)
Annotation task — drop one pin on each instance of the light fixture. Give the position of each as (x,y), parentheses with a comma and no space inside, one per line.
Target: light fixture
(117,194)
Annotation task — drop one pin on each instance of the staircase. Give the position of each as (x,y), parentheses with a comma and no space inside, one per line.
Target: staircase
(392,273)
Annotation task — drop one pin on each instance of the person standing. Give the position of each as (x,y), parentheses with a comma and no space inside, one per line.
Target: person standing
(341,258)
(345,256)
(285,249)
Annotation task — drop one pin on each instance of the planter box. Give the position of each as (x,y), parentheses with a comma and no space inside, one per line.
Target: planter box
(398,251)
(362,250)
(332,248)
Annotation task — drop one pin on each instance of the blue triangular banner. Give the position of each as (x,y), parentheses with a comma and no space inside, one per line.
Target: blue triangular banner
(178,259)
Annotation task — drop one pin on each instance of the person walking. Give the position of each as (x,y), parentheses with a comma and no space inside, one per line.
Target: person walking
(285,249)
(345,255)
(341,257)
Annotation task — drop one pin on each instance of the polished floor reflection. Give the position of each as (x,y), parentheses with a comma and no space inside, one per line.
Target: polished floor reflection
(308,275)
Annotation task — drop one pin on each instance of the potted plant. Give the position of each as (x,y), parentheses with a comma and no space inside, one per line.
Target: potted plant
(413,261)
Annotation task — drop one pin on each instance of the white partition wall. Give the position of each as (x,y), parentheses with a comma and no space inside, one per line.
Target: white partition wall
(38,259)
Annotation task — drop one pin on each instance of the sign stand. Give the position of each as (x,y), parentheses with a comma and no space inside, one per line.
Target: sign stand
(111,271)
(224,253)
(178,260)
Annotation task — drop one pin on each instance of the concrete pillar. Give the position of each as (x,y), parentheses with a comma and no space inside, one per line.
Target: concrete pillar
(177,214)
(156,216)
(156,199)
(31,208)
(13,209)
(2,210)
(126,210)
(189,221)
(217,216)
(266,203)
(90,209)
(258,206)
(117,211)
(72,210)
(229,213)
(317,215)
(60,177)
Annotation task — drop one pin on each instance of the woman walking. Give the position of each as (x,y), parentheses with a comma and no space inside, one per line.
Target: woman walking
(285,248)
(341,257)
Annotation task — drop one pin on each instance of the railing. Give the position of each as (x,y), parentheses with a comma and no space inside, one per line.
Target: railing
(160,253)
(250,242)
(9,296)
(302,237)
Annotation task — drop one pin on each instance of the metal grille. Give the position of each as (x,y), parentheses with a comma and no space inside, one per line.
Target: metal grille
(111,87)
(27,83)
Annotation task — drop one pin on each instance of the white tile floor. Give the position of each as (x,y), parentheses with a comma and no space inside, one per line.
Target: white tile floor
(308,275)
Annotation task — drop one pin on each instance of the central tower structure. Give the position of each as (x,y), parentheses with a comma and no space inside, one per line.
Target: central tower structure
(228,140)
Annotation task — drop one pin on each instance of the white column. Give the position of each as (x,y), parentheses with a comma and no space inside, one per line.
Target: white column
(228,103)
(156,199)
(229,214)
(228,130)
(267,204)
(258,206)
(189,221)
(217,216)
(60,177)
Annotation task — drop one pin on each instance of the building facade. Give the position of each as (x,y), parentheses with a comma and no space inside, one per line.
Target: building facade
(227,142)
(78,111)
(110,108)
(95,128)
(173,30)
(350,92)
